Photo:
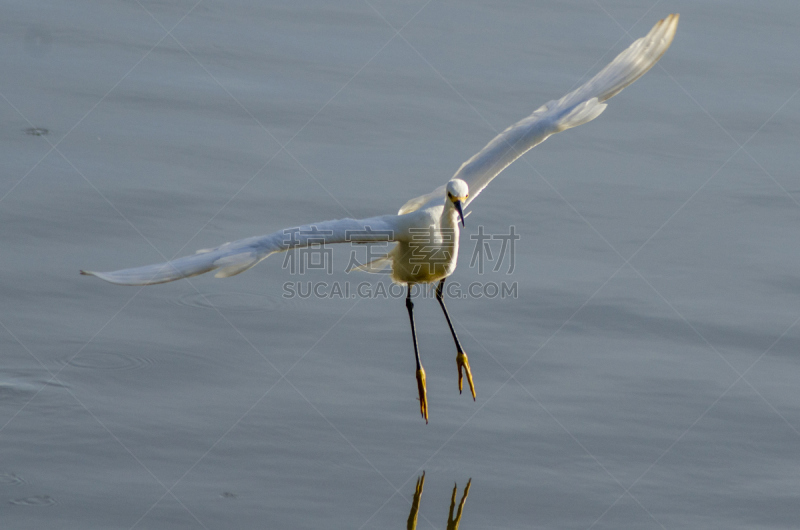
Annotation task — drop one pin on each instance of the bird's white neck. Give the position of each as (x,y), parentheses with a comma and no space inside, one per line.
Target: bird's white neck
(450,217)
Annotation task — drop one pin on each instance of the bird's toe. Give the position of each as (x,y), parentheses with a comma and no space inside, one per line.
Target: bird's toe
(463,366)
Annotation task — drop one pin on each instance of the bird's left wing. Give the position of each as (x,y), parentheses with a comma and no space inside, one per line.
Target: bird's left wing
(238,256)
(576,108)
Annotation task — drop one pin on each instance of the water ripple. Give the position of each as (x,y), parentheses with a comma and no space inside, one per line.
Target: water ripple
(110,360)
(36,500)
(10,390)
(10,479)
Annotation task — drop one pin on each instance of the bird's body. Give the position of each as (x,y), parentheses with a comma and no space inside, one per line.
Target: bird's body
(426,228)
(429,251)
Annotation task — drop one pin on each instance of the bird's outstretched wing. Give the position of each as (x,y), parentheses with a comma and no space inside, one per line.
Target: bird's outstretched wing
(576,108)
(238,256)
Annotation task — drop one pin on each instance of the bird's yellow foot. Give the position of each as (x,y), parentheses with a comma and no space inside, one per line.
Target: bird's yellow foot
(463,363)
(423,396)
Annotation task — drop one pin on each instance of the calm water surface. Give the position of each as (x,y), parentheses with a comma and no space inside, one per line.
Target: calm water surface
(645,375)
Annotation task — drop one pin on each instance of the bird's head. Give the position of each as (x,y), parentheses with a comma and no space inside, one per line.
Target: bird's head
(458,193)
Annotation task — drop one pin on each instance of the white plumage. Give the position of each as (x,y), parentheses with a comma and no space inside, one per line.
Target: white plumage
(438,211)
(576,108)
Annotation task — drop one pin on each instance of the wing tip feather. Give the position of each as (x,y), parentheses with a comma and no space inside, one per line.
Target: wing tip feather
(669,25)
(103,276)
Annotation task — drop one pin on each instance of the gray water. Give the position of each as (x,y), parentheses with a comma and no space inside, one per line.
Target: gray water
(645,375)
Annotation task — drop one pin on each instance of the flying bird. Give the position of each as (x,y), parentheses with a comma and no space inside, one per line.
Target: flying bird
(426,228)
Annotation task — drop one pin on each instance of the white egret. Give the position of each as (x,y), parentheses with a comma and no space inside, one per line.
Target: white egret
(429,259)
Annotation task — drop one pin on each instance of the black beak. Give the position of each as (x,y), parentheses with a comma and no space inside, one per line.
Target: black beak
(460,212)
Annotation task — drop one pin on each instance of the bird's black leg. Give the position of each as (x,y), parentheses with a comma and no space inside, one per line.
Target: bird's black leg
(461,357)
(423,398)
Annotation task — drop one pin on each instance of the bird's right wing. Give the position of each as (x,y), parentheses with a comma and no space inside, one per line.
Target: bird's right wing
(238,256)
(576,108)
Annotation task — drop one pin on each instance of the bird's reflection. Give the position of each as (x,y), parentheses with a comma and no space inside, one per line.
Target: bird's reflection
(412,515)
(452,522)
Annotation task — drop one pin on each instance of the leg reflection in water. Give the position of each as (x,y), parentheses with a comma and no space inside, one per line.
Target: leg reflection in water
(452,522)
(412,516)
